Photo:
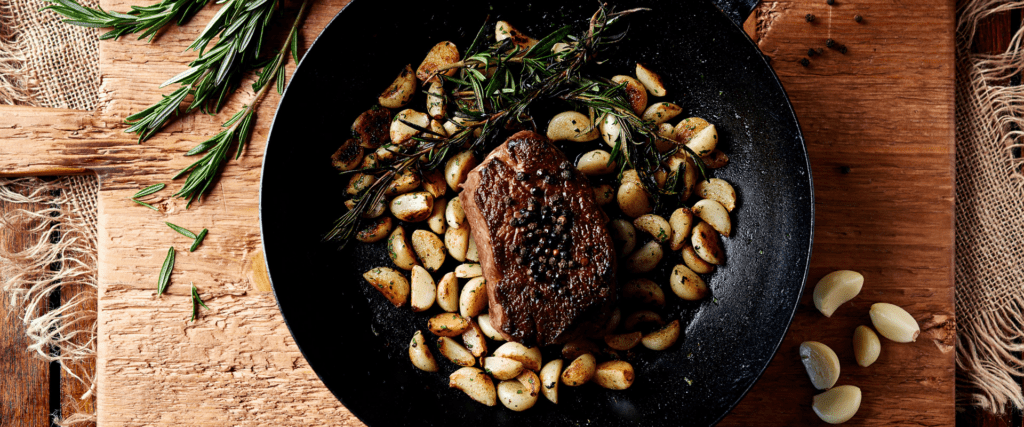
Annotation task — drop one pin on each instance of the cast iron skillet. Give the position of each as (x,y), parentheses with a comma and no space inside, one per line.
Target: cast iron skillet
(357,343)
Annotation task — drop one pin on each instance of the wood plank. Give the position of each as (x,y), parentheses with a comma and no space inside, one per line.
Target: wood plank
(24,378)
(884,110)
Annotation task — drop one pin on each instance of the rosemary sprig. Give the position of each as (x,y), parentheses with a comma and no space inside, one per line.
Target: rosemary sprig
(518,77)
(145,19)
(196,302)
(147,191)
(165,272)
(635,149)
(239,28)
(204,172)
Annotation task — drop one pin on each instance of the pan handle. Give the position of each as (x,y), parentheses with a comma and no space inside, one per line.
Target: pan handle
(737,10)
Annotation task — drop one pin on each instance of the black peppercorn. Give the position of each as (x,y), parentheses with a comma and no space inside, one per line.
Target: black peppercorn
(858,18)
(811,52)
(520,176)
(830,2)
(842,50)
(830,43)
(844,170)
(809,17)
(805,62)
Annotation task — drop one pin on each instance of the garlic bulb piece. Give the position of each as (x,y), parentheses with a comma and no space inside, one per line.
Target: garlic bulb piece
(835,289)
(838,405)
(821,363)
(894,323)
(866,346)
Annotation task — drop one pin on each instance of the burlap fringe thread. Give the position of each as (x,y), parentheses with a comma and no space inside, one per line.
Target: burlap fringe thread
(66,334)
(14,88)
(989,285)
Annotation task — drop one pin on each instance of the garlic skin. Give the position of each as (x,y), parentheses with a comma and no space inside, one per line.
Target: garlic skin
(894,323)
(837,405)
(835,289)
(821,363)
(866,346)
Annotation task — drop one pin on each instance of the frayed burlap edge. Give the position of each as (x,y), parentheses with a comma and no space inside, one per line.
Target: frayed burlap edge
(65,334)
(989,212)
(14,88)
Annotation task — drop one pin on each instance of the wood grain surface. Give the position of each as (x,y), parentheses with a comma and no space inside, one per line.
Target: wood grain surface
(24,378)
(879,127)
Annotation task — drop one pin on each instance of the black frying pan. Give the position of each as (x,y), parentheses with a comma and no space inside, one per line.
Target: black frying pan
(357,343)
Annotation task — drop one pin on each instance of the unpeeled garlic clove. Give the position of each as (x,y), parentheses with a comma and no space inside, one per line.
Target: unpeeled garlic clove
(835,289)
(894,323)
(821,363)
(838,405)
(866,346)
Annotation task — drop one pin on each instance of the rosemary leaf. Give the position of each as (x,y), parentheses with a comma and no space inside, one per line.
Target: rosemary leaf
(165,272)
(198,240)
(149,190)
(182,230)
(196,302)
(146,205)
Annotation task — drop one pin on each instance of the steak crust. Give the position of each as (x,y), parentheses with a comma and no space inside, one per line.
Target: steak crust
(543,243)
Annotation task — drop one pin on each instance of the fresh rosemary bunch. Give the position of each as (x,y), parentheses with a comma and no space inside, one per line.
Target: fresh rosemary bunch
(494,88)
(145,19)
(203,172)
(239,27)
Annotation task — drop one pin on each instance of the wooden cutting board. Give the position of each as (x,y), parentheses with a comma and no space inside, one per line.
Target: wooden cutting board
(879,127)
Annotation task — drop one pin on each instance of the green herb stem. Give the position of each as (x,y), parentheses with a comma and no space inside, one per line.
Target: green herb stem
(204,172)
(148,20)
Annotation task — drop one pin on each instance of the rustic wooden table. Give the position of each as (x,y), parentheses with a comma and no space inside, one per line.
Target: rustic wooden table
(878,121)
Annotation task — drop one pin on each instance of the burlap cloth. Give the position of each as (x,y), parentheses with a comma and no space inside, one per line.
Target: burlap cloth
(46,63)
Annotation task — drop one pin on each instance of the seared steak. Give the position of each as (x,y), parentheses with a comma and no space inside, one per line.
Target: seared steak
(543,244)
